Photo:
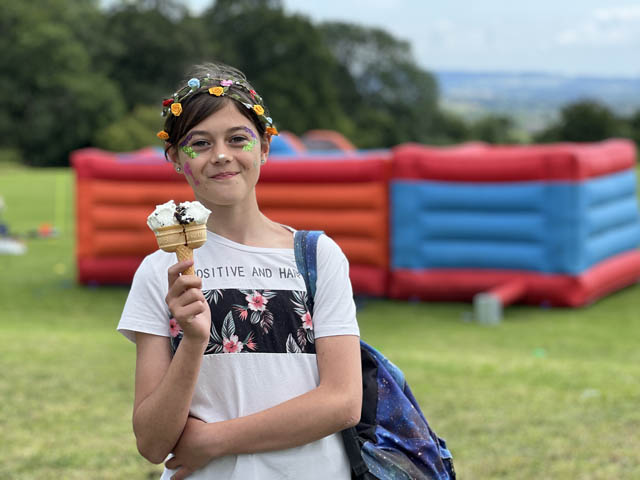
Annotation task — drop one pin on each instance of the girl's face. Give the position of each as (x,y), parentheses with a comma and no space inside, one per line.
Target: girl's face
(220,158)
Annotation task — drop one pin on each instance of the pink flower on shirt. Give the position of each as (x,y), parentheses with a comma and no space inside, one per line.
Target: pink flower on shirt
(174,328)
(306,321)
(232,345)
(256,301)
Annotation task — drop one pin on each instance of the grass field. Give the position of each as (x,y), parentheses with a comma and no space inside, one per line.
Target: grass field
(548,394)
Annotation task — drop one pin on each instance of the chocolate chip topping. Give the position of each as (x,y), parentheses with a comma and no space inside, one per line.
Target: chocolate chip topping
(181,217)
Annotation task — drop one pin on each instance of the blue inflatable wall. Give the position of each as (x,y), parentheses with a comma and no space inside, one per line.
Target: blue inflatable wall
(553,227)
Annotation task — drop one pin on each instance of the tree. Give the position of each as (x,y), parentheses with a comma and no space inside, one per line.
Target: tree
(151,44)
(56,106)
(391,99)
(634,127)
(285,58)
(494,129)
(582,121)
(135,130)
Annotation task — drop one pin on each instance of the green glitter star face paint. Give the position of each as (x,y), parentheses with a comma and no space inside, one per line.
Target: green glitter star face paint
(249,146)
(187,149)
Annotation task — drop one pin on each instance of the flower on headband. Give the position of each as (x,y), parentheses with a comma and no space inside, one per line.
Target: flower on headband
(272,131)
(194,83)
(217,91)
(258,109)
(226,83)
(253,93)
(167,102)
(162,135)
(176,109)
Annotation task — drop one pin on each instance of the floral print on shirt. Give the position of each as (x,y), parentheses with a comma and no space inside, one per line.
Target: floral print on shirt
(260,321)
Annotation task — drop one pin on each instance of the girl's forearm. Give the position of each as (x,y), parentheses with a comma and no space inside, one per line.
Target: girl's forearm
(159,419)
(298,421)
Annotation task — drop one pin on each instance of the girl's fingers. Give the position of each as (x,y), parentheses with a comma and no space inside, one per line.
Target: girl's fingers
(188,312)
(184,299)
(175,270)
(178,286)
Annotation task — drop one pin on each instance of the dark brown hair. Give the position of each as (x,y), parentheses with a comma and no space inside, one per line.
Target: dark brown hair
(201,104)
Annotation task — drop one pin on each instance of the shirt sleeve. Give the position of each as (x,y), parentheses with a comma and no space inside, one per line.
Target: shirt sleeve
(334,311)
(145,310)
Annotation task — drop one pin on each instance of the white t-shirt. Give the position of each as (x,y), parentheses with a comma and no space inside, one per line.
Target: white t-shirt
(261,350)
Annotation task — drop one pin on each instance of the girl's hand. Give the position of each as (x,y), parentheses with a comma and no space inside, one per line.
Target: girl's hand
(194,449)
(187,303)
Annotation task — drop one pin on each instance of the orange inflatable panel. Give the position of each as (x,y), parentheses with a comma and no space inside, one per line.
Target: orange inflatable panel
(347,198)
(369,195)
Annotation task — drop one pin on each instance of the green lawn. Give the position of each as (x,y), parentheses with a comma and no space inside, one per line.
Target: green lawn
(548,394)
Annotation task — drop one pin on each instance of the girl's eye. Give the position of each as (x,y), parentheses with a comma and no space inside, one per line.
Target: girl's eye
(200,144)
(238,139)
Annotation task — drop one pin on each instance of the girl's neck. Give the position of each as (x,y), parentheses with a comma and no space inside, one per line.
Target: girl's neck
(247,226)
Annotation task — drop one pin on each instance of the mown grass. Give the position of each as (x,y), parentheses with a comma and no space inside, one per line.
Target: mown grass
(549,393)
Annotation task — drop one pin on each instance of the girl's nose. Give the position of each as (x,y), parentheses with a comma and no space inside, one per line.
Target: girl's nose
(222,158)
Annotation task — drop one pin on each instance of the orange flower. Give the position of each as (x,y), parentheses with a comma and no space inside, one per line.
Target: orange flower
(258,109)
(162,135)
(217,91)
(176,109)
(272,131)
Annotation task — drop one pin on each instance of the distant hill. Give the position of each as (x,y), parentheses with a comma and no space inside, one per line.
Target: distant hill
(532,98)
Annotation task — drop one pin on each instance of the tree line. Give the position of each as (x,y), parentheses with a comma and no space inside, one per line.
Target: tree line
(75,73)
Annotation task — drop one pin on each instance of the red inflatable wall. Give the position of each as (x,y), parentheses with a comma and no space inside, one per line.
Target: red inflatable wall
(478,162)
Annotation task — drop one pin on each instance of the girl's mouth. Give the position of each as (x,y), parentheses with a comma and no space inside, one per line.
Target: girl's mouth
(224,175)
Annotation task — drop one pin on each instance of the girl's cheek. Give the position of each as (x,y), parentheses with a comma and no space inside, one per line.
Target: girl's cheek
(189,172)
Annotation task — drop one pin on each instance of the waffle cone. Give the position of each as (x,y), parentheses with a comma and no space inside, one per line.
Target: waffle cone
(185,253)
(170,238)
(196,234)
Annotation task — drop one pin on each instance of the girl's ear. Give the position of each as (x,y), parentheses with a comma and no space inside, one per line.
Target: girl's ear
(265,146)
(172,155)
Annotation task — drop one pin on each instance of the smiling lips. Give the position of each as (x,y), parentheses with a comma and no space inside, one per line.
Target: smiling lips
(224,175)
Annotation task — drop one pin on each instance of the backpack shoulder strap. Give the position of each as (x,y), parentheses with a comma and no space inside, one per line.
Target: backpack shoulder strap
(305,246)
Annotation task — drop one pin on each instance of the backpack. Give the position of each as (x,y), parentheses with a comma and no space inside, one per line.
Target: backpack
(393,440)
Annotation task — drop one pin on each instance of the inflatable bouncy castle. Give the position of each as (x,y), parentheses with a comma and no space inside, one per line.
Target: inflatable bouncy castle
(553,225)
(116,192)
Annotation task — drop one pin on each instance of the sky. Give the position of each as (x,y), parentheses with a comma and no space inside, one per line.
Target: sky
(573,37)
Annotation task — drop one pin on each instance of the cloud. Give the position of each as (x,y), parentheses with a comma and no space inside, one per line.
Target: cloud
(605,27)
(443,33)
(627,13)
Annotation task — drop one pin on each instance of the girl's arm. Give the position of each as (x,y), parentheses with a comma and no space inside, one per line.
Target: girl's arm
(164,386)
(333,406)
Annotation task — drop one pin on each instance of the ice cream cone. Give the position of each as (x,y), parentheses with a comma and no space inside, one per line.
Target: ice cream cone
(196,234)
(170,238)
(180,229)
(184,252)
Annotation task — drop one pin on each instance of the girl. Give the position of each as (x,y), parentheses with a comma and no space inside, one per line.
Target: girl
(234,378)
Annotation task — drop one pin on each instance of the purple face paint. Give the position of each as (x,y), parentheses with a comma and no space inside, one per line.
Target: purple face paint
(186,140)
(188,171)
(250,132)
(249,146)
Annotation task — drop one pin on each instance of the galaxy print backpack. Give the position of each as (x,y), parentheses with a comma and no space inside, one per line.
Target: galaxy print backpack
(393,440)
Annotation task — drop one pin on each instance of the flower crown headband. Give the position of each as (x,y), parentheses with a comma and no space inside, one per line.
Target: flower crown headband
(219,87)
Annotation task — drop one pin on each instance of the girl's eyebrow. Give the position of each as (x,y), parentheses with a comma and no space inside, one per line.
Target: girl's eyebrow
(198,132)
(230,130)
